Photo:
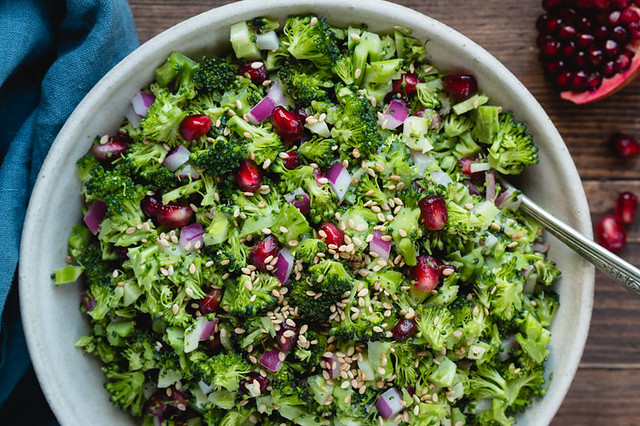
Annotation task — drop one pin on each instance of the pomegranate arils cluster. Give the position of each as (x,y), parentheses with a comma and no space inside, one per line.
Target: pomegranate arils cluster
(610,228)
(583,42)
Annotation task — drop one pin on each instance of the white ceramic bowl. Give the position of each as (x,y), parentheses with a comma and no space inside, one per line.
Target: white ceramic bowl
(73,383)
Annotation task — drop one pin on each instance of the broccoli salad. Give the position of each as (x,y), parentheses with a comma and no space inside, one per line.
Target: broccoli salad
(311,230)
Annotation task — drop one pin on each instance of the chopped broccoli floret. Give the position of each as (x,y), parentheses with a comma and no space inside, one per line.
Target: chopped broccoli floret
(180,70)
(304,84)
(214,74)
(221,157)
(245,298)
(434,325)
(512,148)
(357,126)
(221,371)
(265,145)
(315,42)
(126,389)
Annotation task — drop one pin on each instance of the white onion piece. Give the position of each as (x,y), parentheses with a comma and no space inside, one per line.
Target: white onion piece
(208,329)
(388,405)
(274,97)
(191,234)
(300,200)
(267,41)
(176,158)
(192,335)
(319,128)
(189,172)
(421,160)
(490,241)
(479,167)
(283,266)
(379,246)
(441,178)
(95,215)
(339,179)
(394,115)
(133,117)
(141,102)
(490,182)
(271,360)
(205,388)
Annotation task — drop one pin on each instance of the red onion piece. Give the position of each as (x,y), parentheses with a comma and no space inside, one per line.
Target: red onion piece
(189,172)
(508,200)
(275,97)
(490,182)
(176,158)
(271,360)
(133,117)
(394,115)
(88,302)
(190,234)
(540,247)
(377,245)
(300,200)
(267,41)
(388,405)
(94,216)
(339,179)
(286,343)
(333,366)
(141,102)
(283,266)
(208,328)
(472,188)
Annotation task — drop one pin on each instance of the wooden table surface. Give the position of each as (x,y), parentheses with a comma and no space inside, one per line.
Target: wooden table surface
(606,389)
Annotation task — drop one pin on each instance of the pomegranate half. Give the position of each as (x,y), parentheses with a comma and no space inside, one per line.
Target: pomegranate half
(588,48)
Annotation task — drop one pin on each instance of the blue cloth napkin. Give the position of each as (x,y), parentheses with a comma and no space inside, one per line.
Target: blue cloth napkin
(53,52)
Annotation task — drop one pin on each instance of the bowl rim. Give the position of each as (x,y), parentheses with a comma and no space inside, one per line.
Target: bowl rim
(227,14)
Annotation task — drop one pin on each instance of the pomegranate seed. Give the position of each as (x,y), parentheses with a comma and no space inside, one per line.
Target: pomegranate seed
(578,81)
(601,32)
(593,82)
(404,329)
(115,147)
(585,40)
(150,205)
(248,176)
(580,60)
(611,48)
(619,34)
(623,61)
(625,145)
(460,86)
(318,174)
(569,50)
(626,207)
(552,26)
(612,18)
(194,127)
(288,126)
(465,167)
(563,80)
(609,69)
(567,32)
(255,71)
(286,343)
(406,85)
(262,250)
(611,233)
(333,234)
(247,385)
(301,113)
(433,210)
(213,343)
(584,23)
(553,68)
(293,161)
(551,4)
(595,56)
(174,215)
(620,4)
(425,273)
(211,301)
(551,49)
(628,16)
(541,22)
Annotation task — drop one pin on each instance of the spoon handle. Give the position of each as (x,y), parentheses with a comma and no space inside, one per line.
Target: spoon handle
(621,270)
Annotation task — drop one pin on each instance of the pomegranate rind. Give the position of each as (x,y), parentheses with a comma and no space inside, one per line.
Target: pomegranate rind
(609,85)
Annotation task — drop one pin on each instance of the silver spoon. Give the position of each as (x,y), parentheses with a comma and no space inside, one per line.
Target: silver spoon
(621,270)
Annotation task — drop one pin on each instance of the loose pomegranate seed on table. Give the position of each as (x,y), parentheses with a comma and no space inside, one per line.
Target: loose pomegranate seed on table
(611,233)
(255,71)
(330,234)
(267,247)
(248,176)
(193,127)
(626,207)
(625,145)
(433,210)
(287,125)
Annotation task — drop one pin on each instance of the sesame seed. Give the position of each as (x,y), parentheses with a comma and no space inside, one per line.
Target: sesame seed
(323,180)
(122,284)
(284,230)
(266,83)
(447,271)
(293,243)
(512,244)
(239,330)
(355,37)
(175,308)
(266,231)
(468,206)
(313,21)
(357,73)
(266,164)
(282,356)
